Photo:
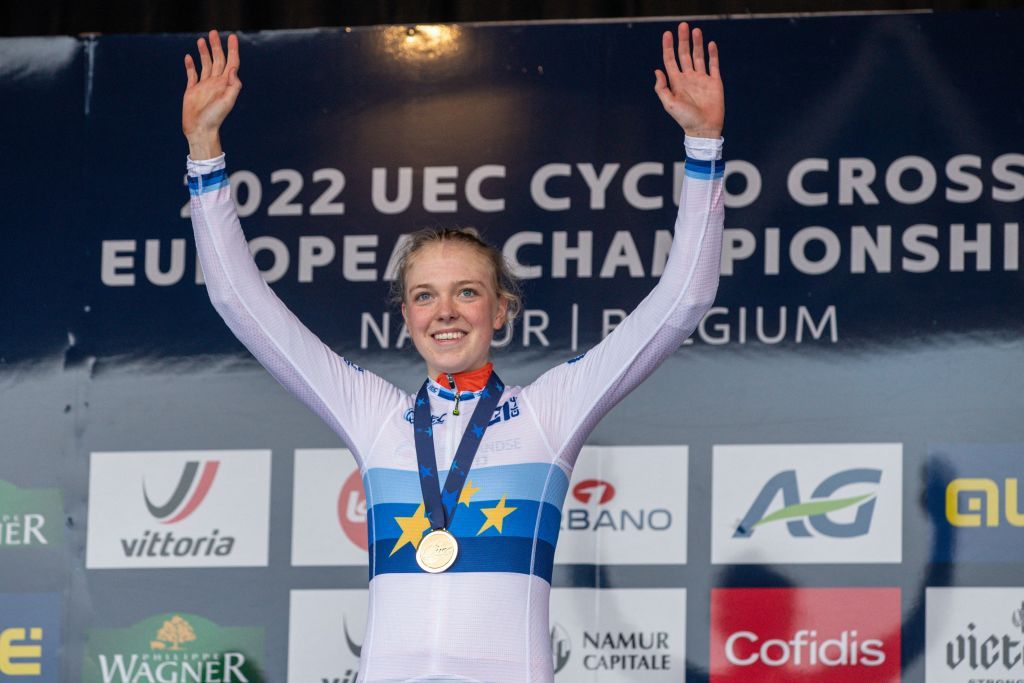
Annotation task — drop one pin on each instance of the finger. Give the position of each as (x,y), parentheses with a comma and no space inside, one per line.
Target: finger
(233,78)
(190,71)
(218,53)
(204,60)
(234,58)
(685,62)
(661,88)
(698,52)
(713,60)
(668,54)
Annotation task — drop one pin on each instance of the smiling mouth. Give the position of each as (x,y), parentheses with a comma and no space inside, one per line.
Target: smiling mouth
(453,335)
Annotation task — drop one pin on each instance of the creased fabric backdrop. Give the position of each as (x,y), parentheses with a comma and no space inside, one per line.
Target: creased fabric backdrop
(824,483)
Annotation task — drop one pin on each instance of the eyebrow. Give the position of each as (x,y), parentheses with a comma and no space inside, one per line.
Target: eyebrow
(460,283)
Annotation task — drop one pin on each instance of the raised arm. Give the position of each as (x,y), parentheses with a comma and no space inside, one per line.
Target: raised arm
(351,401)
(570,399)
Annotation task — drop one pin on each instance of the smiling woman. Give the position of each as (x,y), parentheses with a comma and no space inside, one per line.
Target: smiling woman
(462,594)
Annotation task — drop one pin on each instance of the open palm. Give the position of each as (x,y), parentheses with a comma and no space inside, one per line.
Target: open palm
(692,91)
(210,95)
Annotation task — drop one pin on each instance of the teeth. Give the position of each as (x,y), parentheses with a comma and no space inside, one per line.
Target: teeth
(445,336)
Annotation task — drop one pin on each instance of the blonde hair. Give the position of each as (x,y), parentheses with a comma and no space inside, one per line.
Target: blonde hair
(506,285)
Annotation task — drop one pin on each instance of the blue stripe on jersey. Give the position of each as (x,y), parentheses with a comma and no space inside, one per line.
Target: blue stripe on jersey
(476,554)
(207,182)
(380,521)
(704,169)
(522,481)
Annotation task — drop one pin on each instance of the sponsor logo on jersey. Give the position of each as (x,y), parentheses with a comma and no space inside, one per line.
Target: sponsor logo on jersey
(410,417)
(30,518)
(29,637)
(808,634)
(976,501)
(319,621)
(178,509)
(174,647)
(618,634)
(329,511)
(506,411)
(974,634)
(626,505)
(807,503)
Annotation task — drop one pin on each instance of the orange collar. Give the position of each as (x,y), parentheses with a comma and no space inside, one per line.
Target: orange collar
(471,380)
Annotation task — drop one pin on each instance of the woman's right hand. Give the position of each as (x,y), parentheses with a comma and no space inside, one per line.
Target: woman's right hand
(210,95)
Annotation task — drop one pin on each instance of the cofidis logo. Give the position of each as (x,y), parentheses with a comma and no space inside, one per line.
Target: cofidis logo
(974,634)
(976,501)
(29,637)
(626,505)
(328,509)
(832,635)
(178,509)
(807,503)
(30,518)
(174,647)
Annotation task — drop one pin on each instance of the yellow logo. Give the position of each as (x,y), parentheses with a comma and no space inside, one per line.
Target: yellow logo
(981,503)
(11,649)
(176,632)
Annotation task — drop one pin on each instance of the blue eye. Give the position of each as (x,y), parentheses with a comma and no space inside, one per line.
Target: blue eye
(421,296)
(467,292)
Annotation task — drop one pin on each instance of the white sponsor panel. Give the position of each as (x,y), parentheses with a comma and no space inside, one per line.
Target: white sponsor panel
(328,509)
(626,505)
(325,635)
(974,635)
(178,509)
(623,634)
(807,503)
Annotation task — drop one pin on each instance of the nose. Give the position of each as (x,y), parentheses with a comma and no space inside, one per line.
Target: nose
(446,309)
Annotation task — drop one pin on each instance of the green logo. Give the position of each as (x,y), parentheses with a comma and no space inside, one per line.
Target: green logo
(30,518)
(174,648)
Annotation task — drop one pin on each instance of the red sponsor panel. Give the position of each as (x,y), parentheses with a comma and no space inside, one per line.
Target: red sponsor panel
(352,510)
(830,635)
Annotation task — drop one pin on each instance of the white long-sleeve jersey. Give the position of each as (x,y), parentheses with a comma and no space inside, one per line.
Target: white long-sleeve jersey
(486,618)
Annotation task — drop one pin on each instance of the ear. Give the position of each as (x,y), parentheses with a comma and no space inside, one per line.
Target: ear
(405,317)
(501,315)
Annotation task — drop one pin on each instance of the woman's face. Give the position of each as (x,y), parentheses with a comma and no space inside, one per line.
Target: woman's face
(450,307)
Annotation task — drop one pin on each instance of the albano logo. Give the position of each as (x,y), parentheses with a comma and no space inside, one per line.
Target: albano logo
(178,509)
(809,634)
(597,493)
(798,514)
(174,648)
(30,518)
(352,510)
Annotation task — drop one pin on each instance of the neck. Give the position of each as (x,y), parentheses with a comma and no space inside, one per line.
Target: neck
(470,380)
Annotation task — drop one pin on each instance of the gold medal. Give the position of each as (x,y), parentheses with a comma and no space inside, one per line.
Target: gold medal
(437,551)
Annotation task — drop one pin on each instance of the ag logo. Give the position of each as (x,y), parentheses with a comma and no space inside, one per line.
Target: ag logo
(815,512)
(352,510)
(175,508)
(560,646)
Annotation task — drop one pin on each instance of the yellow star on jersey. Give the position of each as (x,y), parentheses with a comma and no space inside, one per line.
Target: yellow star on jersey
(467,493)
(495,516)
(412,529)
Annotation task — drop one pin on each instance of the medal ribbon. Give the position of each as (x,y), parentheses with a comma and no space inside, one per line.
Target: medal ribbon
(440,506)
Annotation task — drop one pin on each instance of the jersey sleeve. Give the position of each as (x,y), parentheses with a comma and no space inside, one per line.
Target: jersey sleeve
(352,401)
(569,400)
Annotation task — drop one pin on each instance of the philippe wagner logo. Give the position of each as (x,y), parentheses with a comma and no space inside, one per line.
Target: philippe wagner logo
(798,515)
(174,647)
(975,502)
(190,490)
(597,495)
(30,518)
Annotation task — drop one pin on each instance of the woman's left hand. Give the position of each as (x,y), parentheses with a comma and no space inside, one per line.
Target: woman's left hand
(692,93)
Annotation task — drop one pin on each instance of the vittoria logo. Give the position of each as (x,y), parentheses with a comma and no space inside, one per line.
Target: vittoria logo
(30,518)
(352,510)
(807,503)
(634,495)
(809,634)
(976,501)
(329,511)
(178,509)
(561,646)
(29,637)
(618,635)
(319,621)
(975,634)
(175,648)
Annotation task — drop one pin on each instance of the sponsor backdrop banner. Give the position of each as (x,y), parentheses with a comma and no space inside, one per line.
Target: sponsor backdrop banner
(840,434)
